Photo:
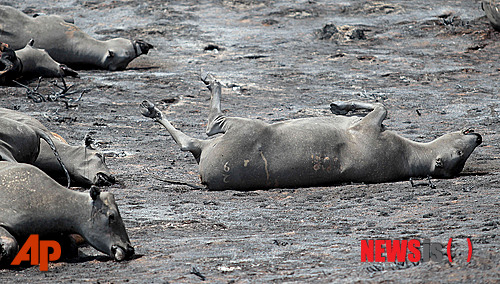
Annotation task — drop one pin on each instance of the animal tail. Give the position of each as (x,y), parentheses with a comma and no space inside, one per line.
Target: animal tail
(49,141)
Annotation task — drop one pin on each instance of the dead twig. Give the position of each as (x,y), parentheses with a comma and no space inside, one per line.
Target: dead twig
(196,272)
(61,95)
(175,182)
(33,94)
(429,183)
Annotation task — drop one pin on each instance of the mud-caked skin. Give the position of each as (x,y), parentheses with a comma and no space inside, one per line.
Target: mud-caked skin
(252,154)
(492,10)
(33,203)
(85,166)
(66,43)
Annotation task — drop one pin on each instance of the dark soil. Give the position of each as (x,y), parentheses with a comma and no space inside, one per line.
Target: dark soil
(434,64)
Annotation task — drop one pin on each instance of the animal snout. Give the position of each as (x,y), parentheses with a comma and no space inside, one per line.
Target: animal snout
(479,138)
(130,251)
(144,46)
(68,71)
(120,253)
(469,131)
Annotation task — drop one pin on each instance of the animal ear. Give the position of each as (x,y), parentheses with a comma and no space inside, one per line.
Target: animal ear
(439,162)
(94,192)
(111,53)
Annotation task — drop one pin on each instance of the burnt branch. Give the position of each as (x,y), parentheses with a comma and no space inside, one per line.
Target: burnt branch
(59,92)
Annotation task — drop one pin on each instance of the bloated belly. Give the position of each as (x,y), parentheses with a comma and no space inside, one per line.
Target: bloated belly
(261,166)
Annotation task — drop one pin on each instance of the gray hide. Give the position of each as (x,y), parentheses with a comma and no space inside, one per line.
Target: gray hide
(252,154)
(33,203)
(66,43)
(492,10)
(85,166)
(35,62)
(20,143)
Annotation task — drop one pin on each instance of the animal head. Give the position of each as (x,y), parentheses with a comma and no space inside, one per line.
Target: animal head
(37,62)
(105,230)
(89,165)
(121,51)
(453,150)
(96,170)
(9,64)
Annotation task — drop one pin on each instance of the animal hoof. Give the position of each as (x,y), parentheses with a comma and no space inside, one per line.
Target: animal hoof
(339,108)
(208,79)
(149,110)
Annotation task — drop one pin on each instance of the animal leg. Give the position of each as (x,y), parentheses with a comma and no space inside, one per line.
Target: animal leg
(374,118)
(187,143)
(6,155)
(8,246)
(216,120)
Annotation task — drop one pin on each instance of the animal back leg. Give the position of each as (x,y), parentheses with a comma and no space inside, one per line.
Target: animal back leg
(185,142)
(216,120)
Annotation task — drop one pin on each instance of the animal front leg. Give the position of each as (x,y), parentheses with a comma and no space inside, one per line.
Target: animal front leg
(374,118)
(340,107)
(216,119)
(8,246)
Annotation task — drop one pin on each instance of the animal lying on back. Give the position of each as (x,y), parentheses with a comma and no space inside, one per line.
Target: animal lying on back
(492,11)
(33,203)
(252,154)
(29,62)
(66,43)
(85,166)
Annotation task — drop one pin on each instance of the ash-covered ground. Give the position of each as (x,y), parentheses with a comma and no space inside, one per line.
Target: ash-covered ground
(435,66)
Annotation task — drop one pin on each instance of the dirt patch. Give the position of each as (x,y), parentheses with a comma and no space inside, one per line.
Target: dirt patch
(434,66)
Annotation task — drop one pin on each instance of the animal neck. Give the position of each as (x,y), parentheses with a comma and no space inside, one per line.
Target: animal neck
(24,62)
(75,213)
(90,52)
(420,158)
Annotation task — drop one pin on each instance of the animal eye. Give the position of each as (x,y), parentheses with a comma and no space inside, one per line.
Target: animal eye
(460,153)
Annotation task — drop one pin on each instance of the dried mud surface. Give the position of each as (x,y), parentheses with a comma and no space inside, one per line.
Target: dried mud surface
(433,64)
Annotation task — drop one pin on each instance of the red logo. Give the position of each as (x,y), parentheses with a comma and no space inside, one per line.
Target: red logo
(39,252)
(400,250)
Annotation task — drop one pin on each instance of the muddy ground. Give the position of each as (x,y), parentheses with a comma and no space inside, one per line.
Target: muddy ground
(435,65)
